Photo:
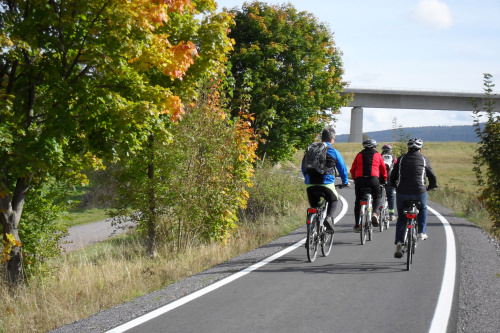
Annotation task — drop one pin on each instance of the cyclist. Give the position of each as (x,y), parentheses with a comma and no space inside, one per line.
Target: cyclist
(323,186)
(408,177)
(389,160)
(368,170)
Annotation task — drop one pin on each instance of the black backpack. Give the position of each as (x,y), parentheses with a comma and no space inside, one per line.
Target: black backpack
(315,158)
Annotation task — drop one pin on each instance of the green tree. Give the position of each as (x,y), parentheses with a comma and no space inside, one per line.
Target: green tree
(85,80)
(487,158)
(294,71)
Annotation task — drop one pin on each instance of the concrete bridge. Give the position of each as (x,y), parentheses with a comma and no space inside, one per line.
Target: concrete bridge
(408,99)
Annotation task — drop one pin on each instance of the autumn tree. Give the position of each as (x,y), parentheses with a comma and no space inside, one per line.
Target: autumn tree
(200,179)
(487,158)
(86,80)
(294,71)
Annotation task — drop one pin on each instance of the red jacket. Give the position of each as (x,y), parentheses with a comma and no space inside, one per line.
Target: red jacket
(369,163)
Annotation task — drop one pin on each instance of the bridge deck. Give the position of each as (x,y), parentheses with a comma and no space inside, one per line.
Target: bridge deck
(414,99)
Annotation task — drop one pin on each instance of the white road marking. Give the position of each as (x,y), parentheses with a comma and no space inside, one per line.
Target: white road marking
(443,308)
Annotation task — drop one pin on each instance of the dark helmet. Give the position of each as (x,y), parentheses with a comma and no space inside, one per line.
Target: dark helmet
(415,143)
(369,143)
(386,147)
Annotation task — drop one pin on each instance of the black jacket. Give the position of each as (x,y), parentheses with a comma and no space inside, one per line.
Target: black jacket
(410,172)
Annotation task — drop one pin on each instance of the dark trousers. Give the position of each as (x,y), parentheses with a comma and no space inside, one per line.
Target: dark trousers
(391,197)
(422,214)
(316,192)
(362,182)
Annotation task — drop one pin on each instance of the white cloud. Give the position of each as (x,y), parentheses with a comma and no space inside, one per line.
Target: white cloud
(433,13)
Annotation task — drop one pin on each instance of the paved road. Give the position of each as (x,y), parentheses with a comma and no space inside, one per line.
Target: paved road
(356,289)
(87,234)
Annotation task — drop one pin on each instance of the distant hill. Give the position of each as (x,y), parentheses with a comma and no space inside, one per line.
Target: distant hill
(429,133)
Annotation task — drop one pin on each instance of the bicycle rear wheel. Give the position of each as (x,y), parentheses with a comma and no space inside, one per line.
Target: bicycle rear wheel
(409,249)
(326,245)
(369,226)
(383,218)
(312,240)
(362,228)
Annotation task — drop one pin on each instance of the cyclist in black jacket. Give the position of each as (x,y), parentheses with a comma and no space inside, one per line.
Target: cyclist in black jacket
(408,177)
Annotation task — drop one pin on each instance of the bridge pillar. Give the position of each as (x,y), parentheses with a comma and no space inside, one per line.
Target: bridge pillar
(356,134)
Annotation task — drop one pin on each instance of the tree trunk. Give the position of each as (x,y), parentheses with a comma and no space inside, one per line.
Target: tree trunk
(11,208)
(151,243)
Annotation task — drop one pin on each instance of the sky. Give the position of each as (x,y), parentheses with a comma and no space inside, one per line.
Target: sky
(432,45)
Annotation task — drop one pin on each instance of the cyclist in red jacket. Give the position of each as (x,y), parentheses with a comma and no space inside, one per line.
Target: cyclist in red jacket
(368,170)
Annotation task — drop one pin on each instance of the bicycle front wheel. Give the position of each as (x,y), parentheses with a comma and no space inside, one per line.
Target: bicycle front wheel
(326,245)
(312,240)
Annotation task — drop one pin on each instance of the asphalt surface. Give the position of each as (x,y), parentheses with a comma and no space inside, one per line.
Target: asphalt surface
(84,235)
(476,309)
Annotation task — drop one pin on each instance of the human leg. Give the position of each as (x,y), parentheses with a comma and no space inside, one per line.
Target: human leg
(401,222)
(422,216)
(313,196)
(375,190)
(358,184)
(332,199)
(389,190)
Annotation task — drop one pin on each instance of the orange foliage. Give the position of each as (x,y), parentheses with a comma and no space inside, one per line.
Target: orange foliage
(158,52)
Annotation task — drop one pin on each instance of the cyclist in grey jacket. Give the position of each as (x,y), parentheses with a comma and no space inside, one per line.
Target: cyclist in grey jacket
(409,178)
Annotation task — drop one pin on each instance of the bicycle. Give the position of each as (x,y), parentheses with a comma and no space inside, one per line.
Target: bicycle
(411,239)
(383,210)
(317,235)
(365,214)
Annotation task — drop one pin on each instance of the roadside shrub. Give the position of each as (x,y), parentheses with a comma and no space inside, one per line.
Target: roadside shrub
(275,192)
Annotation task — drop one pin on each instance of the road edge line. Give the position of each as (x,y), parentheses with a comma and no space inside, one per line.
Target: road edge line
(442,313)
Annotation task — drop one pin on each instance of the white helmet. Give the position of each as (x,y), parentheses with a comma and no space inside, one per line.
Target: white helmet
(415,143)
(369,143)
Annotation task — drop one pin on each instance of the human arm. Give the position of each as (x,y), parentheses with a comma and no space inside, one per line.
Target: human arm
(431,176)
(382,169)
(341,167)
(394,174)
(354,166)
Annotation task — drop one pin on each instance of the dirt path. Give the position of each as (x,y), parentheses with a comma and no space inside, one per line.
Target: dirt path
(81,236)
